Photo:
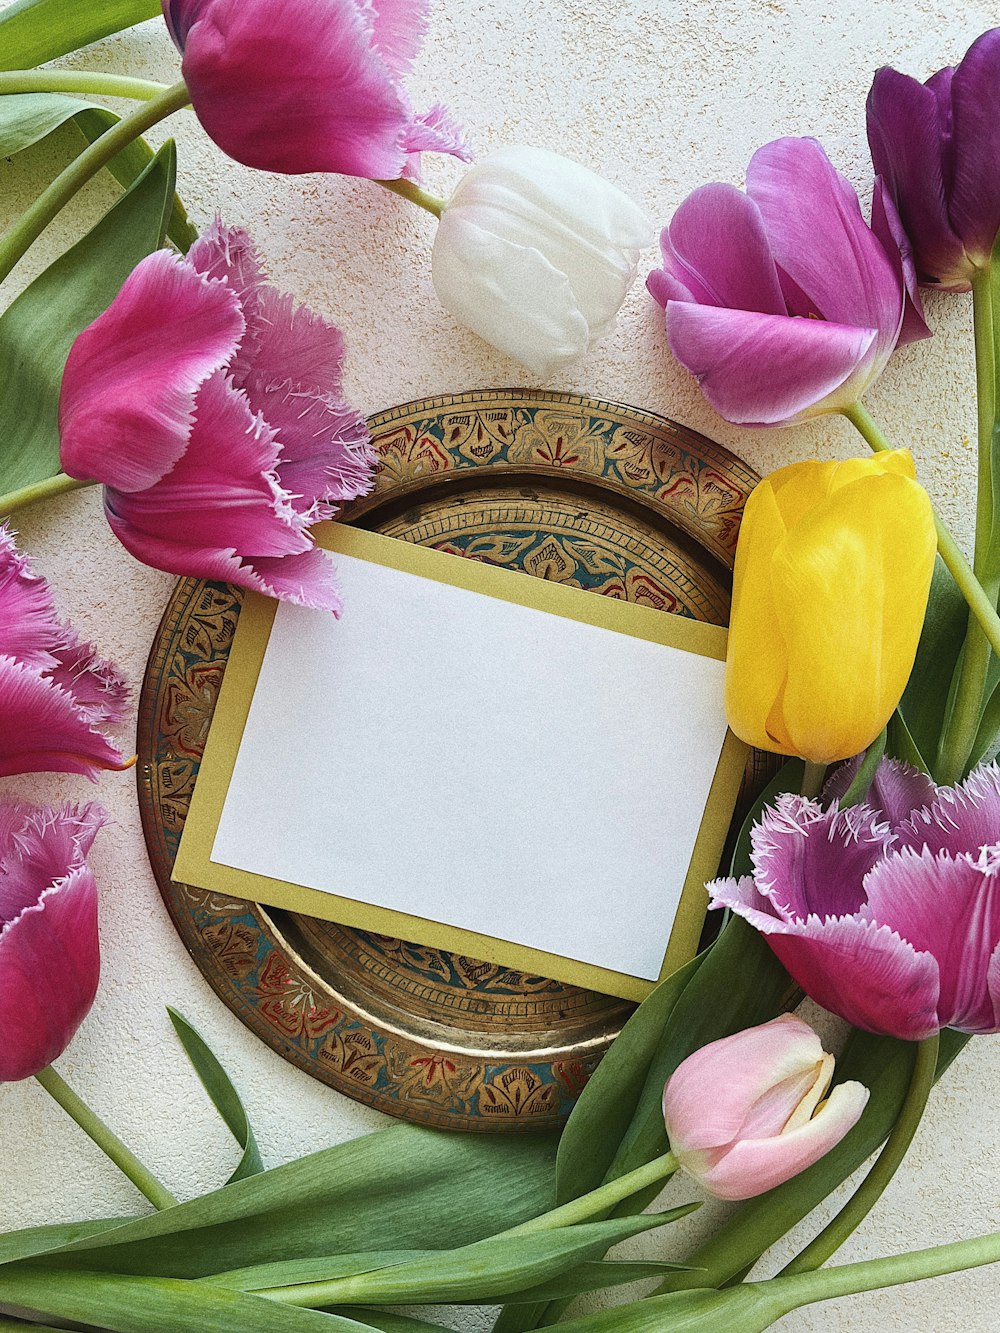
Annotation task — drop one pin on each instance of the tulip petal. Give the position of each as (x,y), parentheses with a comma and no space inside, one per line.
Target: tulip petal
(29,626)
(889,229)
(128,391)
(906,893)
(398,31)
(858,969)
(229,255)
(960,819)
(754,1166)
(49,970)
(755,653)
(37,849)
(896,793)
(42,729)
(733,354)
(223,493)
(775,1064)
(908,140)
(820,239)
(99,691)
(292,86)
(974,203)
(717,248)
(509,294)
(813,861)
(874,534)
(434,131)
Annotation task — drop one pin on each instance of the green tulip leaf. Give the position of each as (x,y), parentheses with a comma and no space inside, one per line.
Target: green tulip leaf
(926,702)
(127,1304)
(31,1241)
(405,1187)
(386,1320)
(34,31)
(609,1102)
(482,1273)
(788,778)
(28,118)
(225,1098)
(38,329)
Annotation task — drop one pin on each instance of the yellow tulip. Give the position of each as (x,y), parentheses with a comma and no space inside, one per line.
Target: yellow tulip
(833,570)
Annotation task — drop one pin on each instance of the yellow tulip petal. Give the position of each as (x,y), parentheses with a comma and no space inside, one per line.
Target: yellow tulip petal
(850,587)
(755,660)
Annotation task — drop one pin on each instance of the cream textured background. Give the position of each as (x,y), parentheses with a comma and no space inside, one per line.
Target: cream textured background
(661,96)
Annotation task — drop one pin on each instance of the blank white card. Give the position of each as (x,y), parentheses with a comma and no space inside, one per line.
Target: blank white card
(478,763)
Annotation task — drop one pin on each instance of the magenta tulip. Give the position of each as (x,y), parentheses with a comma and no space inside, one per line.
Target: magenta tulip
(937,147)
(210,407)
(886,913)
(750,1111)
(55,692)
(310,85)
(49,954)
(782,302)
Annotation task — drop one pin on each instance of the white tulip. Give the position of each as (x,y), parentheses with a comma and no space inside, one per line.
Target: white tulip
(535,254)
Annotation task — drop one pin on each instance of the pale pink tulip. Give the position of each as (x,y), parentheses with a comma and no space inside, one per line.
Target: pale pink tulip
(49,953)
(55,692)
(310,85)
(211,408)
(750,1111)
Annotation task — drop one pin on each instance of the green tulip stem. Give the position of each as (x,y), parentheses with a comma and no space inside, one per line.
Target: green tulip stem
(597,1204)
(108,1142)
(60,484)
(959,568)
(78,81)
(812,779)
(865,775)
(407,189)
(860,1204)
(33,221)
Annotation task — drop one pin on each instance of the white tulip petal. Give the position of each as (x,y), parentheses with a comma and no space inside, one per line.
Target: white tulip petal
(509,294)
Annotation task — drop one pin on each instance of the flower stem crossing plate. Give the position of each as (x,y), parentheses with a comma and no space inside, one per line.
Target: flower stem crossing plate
(604,497)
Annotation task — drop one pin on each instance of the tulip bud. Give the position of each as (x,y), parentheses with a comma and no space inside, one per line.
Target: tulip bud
(746,1113)
(49,953)
(833,571)
(535,254)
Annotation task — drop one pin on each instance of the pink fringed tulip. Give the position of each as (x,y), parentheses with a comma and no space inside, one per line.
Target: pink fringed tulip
(748,1112)
(887,913)
(49,954)
(210,407)
(54,690)
(937,147)
(782,302)
(310,85)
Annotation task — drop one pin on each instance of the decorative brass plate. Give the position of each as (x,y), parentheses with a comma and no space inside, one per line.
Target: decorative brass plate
(602,496)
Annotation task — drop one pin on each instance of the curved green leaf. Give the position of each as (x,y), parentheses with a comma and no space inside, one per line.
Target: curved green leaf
(225,1098)
(38,329)
(33,31)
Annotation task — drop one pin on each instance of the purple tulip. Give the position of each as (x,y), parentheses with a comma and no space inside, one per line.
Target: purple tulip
(747,1112)
(49,953)
(55,692)
(310,85)
(783,302)
(211,409)
(886,913)
(937,147)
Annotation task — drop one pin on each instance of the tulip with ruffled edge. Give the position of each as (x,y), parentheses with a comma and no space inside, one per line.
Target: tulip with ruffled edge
(310,85)
(49,951)
(747,1112)
(535,253)
(55,692)
(936,146)
(893,925)
(210,407)
(782,302)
